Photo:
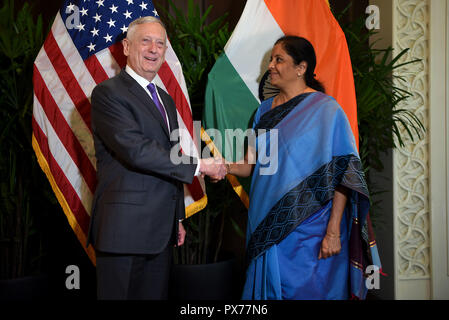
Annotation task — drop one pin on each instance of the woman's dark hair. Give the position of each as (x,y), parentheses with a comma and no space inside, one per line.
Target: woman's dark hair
(300,50)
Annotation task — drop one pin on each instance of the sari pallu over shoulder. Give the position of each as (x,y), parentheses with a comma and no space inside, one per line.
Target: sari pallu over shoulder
(316,152)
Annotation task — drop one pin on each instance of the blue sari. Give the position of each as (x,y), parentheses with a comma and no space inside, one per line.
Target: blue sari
(290,207)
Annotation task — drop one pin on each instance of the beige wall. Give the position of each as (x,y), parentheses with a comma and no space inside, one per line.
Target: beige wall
(439,147)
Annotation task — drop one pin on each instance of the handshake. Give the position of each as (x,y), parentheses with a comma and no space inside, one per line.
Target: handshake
(215,168)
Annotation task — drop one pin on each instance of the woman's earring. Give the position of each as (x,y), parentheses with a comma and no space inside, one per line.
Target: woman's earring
(299,75)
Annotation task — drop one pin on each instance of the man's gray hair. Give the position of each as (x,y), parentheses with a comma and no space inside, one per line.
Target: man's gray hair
(142,20)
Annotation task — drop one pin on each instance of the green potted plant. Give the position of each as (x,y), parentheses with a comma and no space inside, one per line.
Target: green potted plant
(25,194)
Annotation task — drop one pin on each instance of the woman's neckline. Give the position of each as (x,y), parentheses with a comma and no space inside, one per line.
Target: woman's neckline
(305,92)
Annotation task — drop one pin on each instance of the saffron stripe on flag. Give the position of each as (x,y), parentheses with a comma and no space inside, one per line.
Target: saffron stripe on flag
(248,51)
(334,66)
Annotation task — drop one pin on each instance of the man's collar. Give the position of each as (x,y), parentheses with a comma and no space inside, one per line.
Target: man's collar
(140,80)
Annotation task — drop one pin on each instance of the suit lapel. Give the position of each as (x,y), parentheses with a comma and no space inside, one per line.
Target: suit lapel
(143,96)
(170,108)
(172,114)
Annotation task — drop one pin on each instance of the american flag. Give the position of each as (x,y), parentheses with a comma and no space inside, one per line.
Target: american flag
(83,49)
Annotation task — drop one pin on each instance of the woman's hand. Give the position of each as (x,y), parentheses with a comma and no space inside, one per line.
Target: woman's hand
(330,246)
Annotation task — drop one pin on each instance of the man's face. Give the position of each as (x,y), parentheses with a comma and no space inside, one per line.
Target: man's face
(146,49)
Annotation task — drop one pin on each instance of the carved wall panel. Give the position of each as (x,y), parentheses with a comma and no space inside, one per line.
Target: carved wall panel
(411,163)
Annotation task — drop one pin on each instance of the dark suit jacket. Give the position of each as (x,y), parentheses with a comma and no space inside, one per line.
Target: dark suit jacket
(139,196)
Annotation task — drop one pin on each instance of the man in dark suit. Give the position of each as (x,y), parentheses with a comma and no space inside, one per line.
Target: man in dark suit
(139,202)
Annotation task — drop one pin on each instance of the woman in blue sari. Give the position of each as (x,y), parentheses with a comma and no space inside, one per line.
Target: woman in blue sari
(308,234)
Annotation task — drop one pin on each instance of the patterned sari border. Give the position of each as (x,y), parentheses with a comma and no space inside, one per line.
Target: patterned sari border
(305,199)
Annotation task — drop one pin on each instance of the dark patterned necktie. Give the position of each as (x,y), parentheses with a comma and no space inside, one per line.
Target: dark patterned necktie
(156,101)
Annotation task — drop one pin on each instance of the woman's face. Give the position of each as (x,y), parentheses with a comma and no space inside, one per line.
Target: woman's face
(283,69)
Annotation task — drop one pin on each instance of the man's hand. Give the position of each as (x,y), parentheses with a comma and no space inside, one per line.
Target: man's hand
(214,168)
(181,234)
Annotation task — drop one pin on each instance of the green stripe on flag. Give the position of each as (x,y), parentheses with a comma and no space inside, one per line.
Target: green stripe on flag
(229,105)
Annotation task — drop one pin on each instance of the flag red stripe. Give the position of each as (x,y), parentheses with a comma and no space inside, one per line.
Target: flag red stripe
(196,191)
(175,91)
(63,130)
(117,52)
(314,21)
(67,78)
(61,180)
(96,69)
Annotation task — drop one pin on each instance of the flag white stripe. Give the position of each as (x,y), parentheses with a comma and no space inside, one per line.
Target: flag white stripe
(72,56)
(62,157)
(112,68)
(107,61)
(176,68)
(188,200)
(65,104)
(187,142)
(250,53)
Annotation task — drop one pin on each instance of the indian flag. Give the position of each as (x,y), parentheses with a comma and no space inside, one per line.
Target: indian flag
(232,94)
